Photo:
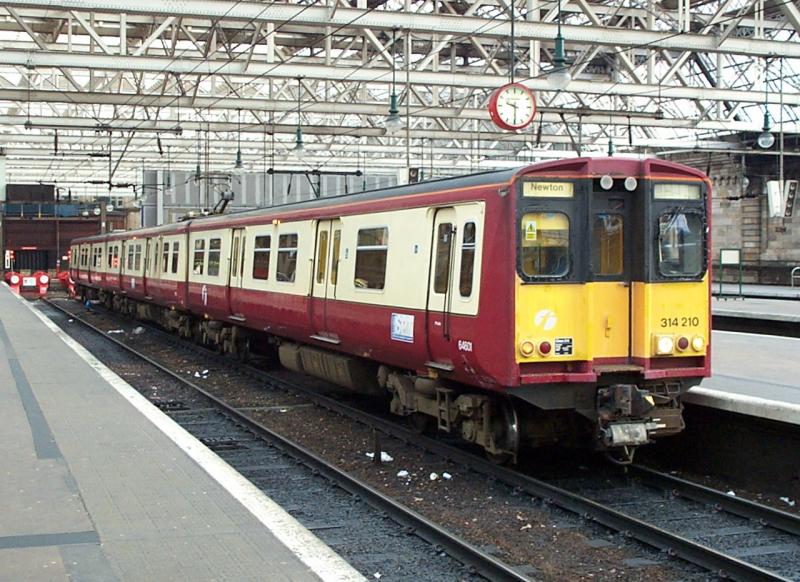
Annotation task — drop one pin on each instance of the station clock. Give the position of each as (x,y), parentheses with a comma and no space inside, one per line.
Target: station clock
(512,107)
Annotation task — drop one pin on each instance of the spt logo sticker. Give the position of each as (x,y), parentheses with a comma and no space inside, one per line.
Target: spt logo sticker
(546,319)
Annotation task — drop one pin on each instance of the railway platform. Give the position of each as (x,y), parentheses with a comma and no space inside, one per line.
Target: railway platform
(757,291)
(98,484)
(752,374)
(780,310)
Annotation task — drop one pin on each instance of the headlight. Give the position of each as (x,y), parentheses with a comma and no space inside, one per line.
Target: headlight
(664,344)
(526,348)
(698,343)
(44,279)
(545,348)
(683,343)
(14,280)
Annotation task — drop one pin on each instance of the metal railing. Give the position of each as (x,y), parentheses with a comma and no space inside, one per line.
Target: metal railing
(795,275)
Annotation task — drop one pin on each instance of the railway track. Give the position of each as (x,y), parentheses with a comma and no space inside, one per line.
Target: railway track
(614,511)
(475,559)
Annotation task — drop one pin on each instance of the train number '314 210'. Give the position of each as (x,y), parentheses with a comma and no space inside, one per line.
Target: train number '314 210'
(680,321)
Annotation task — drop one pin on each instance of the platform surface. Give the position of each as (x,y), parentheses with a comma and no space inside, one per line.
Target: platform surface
(758,291)
(764,309)
(753,374)
(94,489)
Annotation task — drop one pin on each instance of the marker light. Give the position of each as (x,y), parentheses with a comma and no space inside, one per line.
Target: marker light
(544,348)
(14,280)
(606,182)
(698,343)
(44,279)
(683,343)
(527,348)
(630,183)
(664,345)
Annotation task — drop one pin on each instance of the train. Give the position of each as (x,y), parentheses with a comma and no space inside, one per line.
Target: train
(562,303)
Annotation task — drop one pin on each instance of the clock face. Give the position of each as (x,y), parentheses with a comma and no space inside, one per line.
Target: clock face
(512,106)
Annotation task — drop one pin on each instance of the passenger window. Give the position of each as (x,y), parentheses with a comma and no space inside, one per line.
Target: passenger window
(130,258)
(444,243)
(680,244)
(165,258)
(261,253)
(607,247)
(199,256)
(110,256)
(467,260)
(337,240)
(175,255)
(137,258)
(322,255)
(545,244)
(235,258)
(287,258)
(116,256)
(214,251)
(371,253)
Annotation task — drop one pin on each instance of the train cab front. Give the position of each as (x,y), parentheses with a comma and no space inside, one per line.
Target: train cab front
(612,294)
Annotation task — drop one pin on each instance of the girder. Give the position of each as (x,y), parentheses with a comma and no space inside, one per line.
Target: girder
(686,75)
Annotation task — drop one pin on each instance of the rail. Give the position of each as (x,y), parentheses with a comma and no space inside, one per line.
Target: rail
(795,275)
(675,544)
(469,555)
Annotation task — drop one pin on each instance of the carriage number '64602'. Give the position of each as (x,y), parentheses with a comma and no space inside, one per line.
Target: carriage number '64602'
(680,321)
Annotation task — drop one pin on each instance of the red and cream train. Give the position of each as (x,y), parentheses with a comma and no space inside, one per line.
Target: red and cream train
(561,302)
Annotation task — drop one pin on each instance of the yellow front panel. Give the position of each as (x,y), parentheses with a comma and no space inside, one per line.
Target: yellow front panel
(671,308)
(608,319)
(547,312)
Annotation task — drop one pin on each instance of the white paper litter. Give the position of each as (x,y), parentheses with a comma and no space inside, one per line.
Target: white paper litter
(116,331)
(732,493)
(787,501)
(70,320)
(197,374)
(138,330)
(434,476)
(377,575)
(447,476)
(402,473)
(385,457)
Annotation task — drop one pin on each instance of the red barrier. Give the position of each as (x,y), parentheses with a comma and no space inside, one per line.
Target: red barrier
(14,281)
(42,282)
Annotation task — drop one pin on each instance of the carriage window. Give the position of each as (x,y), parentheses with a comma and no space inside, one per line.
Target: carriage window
(680,244)
(287,258)
(467,260)
(97,258)
(235,257)
(129,266)
(116,256)
(261,257)
(607,248)
(371,252)
(165,258)
(199,256)
(214,251)
(175,254)
(545,244)
(137,258)
(444,242)
(337,241)
(322,254)
(110,255)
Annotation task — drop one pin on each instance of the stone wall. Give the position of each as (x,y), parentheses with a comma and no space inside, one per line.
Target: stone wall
(740,216)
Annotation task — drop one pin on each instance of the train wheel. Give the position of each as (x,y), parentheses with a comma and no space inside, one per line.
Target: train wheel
(506,434)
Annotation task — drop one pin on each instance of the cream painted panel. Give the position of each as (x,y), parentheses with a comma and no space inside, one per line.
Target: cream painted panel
(168,275)
(407,261)
(222,277)
(305,249)
(468,213)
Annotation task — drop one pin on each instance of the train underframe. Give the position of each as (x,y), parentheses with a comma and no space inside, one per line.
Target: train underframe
(616,415)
